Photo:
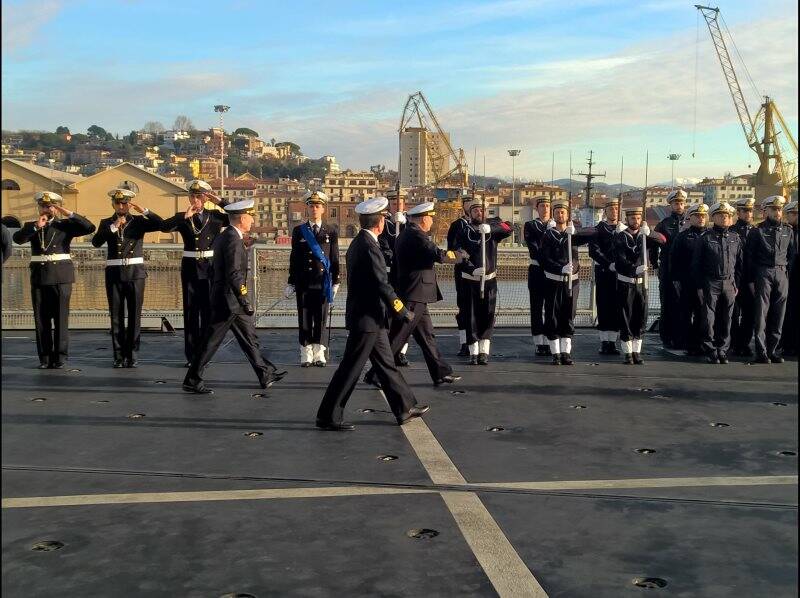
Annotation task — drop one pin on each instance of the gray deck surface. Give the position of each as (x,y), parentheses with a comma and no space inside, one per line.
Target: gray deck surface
(715,512)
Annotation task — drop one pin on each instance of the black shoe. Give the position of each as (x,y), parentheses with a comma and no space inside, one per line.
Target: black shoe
(188,364)
(604,348)
(637,359)
(556,359)
(118,363)
(319,364)
(43,366)
(401,360)
(776,358)
(305,364)
(722,357)
(58,365)
(270,379)
(547,350)
(449,379)
(412,413)
(463,351)
(542,350)
(200,389)
(628,359)
(483,359)
(566,359)
(130,363)
(713,358)
(473,360)
(762,359)
(335,427)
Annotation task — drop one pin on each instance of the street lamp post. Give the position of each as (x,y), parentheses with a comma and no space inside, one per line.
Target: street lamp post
(673,158)
(513,153)
(222,109)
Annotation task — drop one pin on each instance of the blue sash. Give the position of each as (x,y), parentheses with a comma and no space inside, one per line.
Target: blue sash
(308,235)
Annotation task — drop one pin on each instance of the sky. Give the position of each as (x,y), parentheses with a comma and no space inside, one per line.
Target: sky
(550,78)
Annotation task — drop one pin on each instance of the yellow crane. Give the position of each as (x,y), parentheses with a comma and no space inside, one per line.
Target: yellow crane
(767,134)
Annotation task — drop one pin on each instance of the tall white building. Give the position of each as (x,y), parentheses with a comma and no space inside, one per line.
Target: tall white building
(728,188)
(418,165)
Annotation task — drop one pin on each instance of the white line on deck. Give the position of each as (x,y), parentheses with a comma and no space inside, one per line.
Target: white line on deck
(777,480)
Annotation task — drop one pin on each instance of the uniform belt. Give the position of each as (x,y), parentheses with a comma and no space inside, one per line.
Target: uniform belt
(126,261)
(558,277)
(533,262)
(630,280)
(53,257)
(198,254)
(469,276)
(388,269)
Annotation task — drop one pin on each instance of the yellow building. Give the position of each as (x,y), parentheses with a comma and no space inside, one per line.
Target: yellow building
(89,195)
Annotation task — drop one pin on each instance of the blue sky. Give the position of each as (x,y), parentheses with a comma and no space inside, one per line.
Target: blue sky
(544,76)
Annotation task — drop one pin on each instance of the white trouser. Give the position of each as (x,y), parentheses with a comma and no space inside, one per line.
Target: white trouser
(627,347)
(306,353)
(555,347)
(319,353)
(539,339)
(473,348)
(462,337)
(637,345)
(566,345)
(483,346)
(404,349)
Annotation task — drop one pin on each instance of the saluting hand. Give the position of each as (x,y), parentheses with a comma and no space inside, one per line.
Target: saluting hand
(137,208)
(41,221)
(189,212)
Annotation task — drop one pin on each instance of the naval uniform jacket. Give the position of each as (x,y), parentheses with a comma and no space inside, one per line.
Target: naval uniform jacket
(53,238)
(669,227)
(305,270)
(554,253)
(601,246)
(680,256)
(416,257)
(455,229)
(370,297)
(469,239)
(198,234)
(125,244)
(387,239)
(533,232)
(769,245)
(718,257)
(229,293)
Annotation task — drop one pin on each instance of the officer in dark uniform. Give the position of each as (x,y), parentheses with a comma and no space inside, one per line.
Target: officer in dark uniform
(717,264)
(742,325)
(689,322)
(660,259)
(370,299)
(52,274)
(416,256)
(123,233)
(230,304)
(533,231)
(601,250)
(387,239)
(769,251)
(313,277)
(198,229)
(561,280)
(630,268)
(789,334)
(480,311)
(455,229)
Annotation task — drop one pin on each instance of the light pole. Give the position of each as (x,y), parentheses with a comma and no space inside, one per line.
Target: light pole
(673,158)
(513,153)
(222,110)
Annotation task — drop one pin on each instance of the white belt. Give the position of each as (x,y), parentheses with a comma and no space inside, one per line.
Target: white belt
(630,280)
(388,269)
(469,276)
(533,262)
(558,277)
(53,257)
(198,254)
(126,261)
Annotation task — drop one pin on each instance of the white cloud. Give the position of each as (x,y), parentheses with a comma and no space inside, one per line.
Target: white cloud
(22,21)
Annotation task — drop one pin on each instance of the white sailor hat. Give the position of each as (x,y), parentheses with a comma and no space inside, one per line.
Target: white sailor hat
(121,195)
(773,201)
(723,207)
(315,197)
(745,203)
(677,195)
(611,201)
(241,207)
(198,186)
(47,198)
(424,209)
(542,199)
(697,208)
(630,210)
(561,203)
(473,202)
(791,206)
(373,205)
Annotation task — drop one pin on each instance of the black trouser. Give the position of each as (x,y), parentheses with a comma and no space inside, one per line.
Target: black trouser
(51,319)
(632,310)
(421,327)
(789,333)
(312,315)
(559,309)
(719,297)
(687,334)
(480,312)
(771,290)
(244,331)
(462,301)
(361,346)
(743,324)
(669,295)
(605,290)
(125,298)
(196,313)
(536,292)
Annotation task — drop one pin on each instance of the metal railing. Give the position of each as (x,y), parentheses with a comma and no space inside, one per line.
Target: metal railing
(89,307)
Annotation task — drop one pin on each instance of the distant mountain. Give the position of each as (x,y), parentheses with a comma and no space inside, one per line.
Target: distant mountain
(598,186)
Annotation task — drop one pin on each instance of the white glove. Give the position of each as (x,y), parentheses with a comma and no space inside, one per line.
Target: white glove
(639,269)
(478,271)
(612,267)
(570,230)
(288,291)
(551,224)
(400,218)
(485,229)
(567,269)
(621,227)
(645,229)
(335,290)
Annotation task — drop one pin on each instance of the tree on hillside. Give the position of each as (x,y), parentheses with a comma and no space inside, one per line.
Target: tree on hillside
(245,131)
(97,132)
(183,123)
(294,149)
(62,130)
(153,127)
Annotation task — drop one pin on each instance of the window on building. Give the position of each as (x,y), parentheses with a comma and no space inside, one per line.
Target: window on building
(333,212)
